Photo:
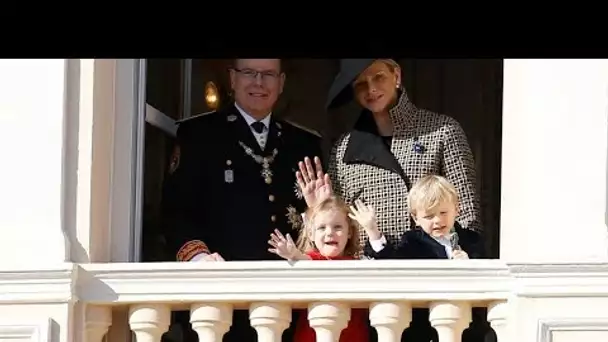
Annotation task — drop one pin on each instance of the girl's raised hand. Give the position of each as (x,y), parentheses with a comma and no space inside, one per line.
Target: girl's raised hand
(283,246)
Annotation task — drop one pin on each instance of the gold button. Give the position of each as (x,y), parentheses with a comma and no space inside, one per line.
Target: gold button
(271,198)
(273,218)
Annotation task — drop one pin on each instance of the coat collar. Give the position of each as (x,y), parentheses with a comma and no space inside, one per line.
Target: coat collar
(250,119)
(433,245)
(366,146)
(242,131)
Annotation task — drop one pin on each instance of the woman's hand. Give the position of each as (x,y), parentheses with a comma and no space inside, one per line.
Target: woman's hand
(365,215)
(284,246)
(315,186)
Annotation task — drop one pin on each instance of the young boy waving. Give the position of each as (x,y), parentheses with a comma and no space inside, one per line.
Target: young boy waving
(433,203)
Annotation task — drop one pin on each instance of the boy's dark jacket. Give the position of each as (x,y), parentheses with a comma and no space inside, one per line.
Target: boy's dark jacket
(416,244)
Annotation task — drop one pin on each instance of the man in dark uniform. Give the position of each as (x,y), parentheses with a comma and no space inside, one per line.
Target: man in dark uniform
(232,179)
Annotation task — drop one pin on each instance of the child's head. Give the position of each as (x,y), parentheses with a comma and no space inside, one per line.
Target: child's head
(433,203)
(329,230)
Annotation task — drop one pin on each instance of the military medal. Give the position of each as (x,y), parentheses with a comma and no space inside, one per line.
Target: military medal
(266,172)
(228,173)
(298,191)
(264,161)
(296,220)
(228,176)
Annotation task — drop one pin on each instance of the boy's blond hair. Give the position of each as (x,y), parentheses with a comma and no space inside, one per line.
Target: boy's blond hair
(429,192)
(305,243)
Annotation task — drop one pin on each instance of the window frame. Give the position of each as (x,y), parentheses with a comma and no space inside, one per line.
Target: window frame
(132,112)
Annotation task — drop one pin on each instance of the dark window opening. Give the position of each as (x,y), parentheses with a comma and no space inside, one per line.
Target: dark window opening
(470,90)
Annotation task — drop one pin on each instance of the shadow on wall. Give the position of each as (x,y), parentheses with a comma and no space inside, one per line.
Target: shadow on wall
(74,251)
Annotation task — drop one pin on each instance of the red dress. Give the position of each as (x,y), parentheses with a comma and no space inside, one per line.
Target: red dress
(357,329)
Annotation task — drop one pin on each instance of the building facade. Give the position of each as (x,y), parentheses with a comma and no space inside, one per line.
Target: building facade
(71,137)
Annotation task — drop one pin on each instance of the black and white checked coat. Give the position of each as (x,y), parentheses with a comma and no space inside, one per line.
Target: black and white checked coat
(362,166)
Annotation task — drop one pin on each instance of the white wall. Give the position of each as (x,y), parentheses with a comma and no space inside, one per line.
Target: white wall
(554,160)
(31,148)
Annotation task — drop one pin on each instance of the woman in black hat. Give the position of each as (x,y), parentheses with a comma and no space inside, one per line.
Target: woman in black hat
(392,145)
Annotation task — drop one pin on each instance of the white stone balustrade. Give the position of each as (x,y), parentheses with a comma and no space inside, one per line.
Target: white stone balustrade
(387,288)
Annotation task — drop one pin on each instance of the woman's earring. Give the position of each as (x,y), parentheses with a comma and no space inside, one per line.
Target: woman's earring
(398,86)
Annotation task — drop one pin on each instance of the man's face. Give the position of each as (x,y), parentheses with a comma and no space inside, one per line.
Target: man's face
(257,84)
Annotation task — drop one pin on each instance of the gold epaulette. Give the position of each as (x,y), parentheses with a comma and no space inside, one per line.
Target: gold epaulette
(304,128)
(193,117)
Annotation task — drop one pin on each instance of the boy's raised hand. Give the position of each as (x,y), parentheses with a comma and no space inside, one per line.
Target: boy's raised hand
(283,246)
(365,215)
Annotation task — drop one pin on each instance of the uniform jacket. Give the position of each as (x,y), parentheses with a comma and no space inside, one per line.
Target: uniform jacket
(217,198)
(417,244)
(361,165)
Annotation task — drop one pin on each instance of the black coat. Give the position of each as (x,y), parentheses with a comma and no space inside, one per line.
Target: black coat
(417,244)
(217,194)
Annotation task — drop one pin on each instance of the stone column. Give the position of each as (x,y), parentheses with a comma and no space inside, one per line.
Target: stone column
(270,320)
(149,321)
(211,321)
(328,319)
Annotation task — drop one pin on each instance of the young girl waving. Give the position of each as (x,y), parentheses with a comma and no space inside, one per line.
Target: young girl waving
(330,233)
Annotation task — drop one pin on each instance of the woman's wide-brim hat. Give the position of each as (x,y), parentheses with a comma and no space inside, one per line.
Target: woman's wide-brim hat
(341,91)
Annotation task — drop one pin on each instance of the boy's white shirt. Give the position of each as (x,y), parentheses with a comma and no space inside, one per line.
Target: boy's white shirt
(378,245)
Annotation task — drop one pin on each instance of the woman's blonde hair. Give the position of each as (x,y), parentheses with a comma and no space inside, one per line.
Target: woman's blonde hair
(429,192)
(391,64)
(305,243)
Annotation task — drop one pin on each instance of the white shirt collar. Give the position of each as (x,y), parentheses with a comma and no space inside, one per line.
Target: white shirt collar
(250,119)
(446,243)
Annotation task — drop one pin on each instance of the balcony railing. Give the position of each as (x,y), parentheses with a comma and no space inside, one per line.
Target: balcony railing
(269,290)
(84,302)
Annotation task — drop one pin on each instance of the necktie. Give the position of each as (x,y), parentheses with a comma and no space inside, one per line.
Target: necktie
(258,127)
